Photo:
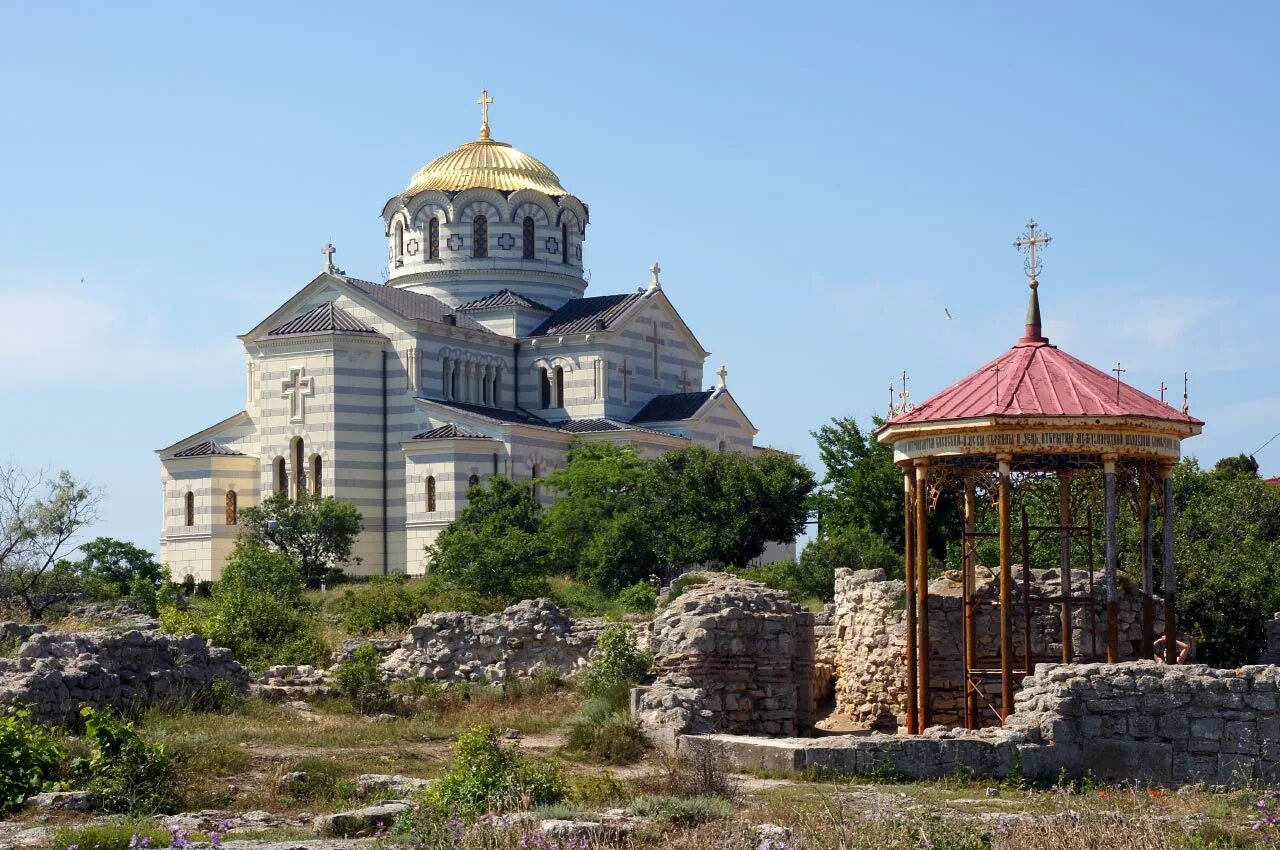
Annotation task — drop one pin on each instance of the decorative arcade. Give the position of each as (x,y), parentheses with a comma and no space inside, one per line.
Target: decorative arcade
(1024,454)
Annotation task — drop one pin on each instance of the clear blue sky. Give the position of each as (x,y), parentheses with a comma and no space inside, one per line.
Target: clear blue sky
(818,181)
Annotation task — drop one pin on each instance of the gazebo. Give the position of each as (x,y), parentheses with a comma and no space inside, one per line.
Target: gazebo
(1033,415)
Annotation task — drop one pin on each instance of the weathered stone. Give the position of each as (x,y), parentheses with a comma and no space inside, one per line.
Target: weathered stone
(357,822)
(68,801)
(395,786)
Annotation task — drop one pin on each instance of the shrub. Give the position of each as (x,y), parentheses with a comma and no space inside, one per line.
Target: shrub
(383,603)
(360,680)
(639,598)
(604,734)
(682,811)
(486,777)
(703,773)
(617,665)
(127,774)
(29,758)
(117,835)
(686,580)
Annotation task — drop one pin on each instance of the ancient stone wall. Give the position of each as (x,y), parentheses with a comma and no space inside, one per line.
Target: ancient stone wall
(730,655)
(524,639)
(1271,641)
(54,673)
(870,623)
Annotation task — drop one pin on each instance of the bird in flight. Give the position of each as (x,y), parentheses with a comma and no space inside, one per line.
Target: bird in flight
(947,310)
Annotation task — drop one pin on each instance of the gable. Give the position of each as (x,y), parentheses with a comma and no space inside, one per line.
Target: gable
(655,302)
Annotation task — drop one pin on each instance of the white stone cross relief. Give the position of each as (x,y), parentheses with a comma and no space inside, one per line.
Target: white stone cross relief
(295,389)
(626,373)
(657,341)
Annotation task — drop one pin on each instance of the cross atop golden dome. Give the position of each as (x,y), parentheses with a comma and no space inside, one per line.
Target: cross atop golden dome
(486,164)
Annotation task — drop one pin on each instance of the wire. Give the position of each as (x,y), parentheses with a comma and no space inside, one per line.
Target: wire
(1264,445)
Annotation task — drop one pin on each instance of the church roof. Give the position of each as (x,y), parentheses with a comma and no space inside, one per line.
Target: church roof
(207,448)
(672,407)
(485,164)
(451,431)
(583,315)
(504,299)
(327,318)
(413,305)
(494,414)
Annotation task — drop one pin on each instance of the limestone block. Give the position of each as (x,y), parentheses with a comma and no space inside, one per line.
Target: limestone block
(358,822)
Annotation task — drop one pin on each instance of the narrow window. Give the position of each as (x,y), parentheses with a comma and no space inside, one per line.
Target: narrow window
(564,243)
(559,386)
(431,493)
(399,240)
(473,481)
(545,382)
(537,491)
(231,507)
(191,508)
(316,468)
(299,472)
(721,447)
(480,236)
(527,237)
(433,238)
(282,479)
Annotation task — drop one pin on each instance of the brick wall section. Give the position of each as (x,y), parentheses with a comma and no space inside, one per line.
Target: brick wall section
(870,623)
(730,656)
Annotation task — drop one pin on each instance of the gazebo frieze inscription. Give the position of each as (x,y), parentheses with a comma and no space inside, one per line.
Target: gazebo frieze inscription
(1066,441)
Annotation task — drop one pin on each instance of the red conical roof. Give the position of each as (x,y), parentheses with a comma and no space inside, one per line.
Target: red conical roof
(1036,379)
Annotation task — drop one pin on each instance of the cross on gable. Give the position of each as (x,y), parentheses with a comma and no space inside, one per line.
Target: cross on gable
(296,389)
(657,341)
(684,383)
(328,251)
(626,372)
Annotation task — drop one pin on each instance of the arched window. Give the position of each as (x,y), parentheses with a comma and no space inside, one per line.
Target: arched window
(480,236)
(537,491)
(527,237)
(564,243)
(232,513)
(431,493)
(433,238)
(544,381)
(190,506)
(399,240)
(282,478)
(317,467)
(299,471)
(559,386)
(473,481)
(721,447)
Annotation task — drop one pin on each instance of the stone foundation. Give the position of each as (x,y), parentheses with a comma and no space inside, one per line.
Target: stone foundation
(870,639)
(1138,721)
(729,655)
(55,673)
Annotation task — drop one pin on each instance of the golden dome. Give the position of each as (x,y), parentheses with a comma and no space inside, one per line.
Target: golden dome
(486,164)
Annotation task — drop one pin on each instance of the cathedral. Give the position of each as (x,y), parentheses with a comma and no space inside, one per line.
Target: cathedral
(481,355)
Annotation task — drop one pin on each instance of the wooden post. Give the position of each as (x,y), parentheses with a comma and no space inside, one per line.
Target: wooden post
(1028,660)
(1006,594)
(1064,557)
(1113,613)
(922,591)
(1170,618)
(1148,578)
(970,609)
(909,600)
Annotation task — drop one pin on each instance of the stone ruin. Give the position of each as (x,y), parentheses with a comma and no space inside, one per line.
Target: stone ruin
(729,655)
(55,673)
(869,644)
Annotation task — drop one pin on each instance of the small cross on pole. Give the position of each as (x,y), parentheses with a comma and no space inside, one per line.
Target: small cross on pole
(1186,408)
(1162,390)
(484,102)
(892,410)
(904,395)
(1116,368)
(328,251)
(1032,239)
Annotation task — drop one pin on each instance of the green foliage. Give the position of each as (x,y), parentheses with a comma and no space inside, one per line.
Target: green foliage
(687,580)
(317,532)
(493,548)
(814,575)
(115,835)
(681,811)
(604,734)
(617,666)
(116,569)
(361,682)
(582,600)
(725,507)
(127,774)
(639,598)
(29,758)
(383,603)
(598,529)
(1241,464)
(258,611)
(487,777)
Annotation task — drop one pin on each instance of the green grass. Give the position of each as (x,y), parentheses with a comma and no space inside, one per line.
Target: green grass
(108,836)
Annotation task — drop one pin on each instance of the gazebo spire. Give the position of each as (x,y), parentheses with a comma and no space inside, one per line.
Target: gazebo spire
(1031,239)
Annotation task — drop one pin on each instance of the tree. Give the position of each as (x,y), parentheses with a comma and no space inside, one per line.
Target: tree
(862,487)
(117,566)
(494,547)
(596,530)
(39,521)
(1241,464)
(724,507)
(317,532)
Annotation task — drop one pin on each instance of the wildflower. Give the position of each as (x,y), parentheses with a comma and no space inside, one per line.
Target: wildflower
(1262,804)
(215,838)
(1104,794)
(1002,828)
(145,843)
(73,847)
